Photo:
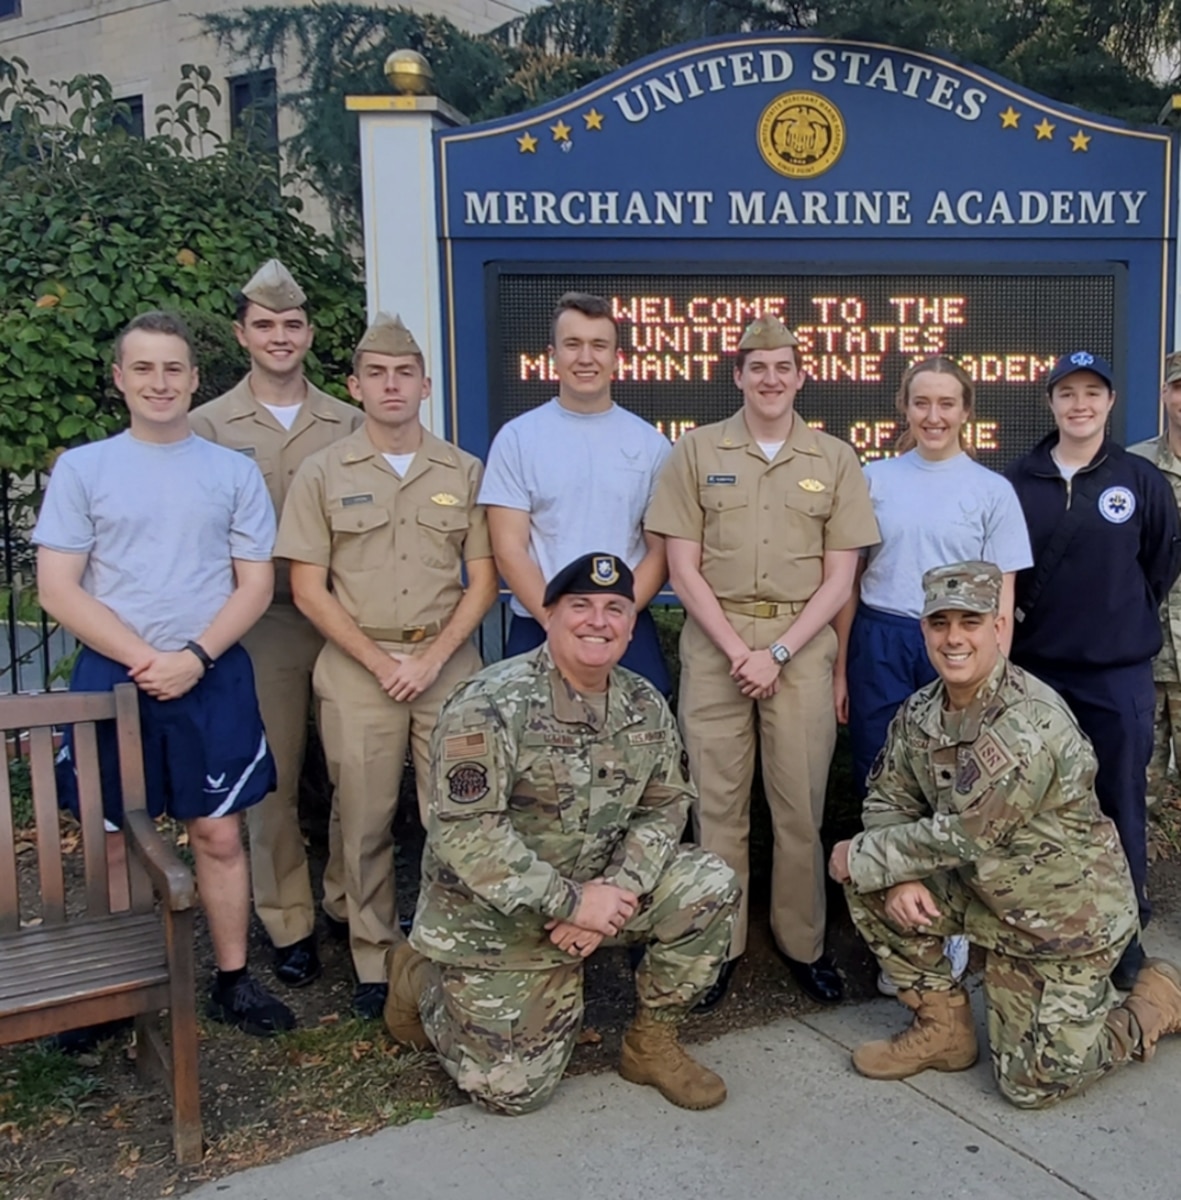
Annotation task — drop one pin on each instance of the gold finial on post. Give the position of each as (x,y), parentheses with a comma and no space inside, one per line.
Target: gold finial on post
(409,73)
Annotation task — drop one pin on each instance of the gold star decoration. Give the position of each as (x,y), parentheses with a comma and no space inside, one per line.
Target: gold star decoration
(561,131)
(1044,131)
(1080,141)
(593,119)
(528,143)
(1009,118)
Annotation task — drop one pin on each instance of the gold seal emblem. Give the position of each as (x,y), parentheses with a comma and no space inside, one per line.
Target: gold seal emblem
(445,498)
(801,134)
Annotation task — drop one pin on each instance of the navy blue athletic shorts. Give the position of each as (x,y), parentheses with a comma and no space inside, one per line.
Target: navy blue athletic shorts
(205,754)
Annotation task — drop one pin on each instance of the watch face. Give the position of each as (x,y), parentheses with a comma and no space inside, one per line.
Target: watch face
(780,654)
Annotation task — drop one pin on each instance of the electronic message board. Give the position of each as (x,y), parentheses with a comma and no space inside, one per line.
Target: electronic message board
(678,333)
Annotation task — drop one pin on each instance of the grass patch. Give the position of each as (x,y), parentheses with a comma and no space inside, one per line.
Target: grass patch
(37,1084)
(351,1070)
(20,784)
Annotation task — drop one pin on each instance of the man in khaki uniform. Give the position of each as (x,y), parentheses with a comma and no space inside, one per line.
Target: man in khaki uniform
(277,417)
(1165,451)
(764,518)
(379,530)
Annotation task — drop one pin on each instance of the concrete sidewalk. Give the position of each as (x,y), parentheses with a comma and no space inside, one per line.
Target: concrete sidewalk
(799,1122)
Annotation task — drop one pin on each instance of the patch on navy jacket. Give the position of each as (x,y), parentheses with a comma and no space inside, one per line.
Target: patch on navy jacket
(1117,504)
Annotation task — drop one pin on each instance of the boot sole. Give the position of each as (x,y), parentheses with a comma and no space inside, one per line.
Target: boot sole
(942,1064)
(638,1077)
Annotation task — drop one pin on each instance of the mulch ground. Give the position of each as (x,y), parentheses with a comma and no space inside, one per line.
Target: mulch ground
(74,1128)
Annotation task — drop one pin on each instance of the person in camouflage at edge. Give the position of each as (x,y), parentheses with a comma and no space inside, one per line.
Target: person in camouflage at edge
(982,819)
(1165,452)
(559,792)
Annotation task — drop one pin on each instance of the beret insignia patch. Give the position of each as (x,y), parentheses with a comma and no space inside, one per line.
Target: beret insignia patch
(467,782)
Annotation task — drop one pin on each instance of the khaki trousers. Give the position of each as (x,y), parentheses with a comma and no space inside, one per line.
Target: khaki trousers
(796,730)
(365,736)
(283,647)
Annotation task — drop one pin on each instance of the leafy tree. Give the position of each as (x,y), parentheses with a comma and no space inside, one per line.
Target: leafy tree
(1097,54)
(97,225)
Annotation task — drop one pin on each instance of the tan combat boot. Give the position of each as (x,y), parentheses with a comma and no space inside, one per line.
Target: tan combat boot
(407,973)
(1155,1002)
(652,1054)
(942,1037)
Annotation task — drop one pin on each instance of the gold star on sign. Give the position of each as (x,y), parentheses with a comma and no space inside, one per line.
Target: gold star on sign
(593,119)
(1080,141)
(1009,118)
(561,131)
(528,143)
(1044,131)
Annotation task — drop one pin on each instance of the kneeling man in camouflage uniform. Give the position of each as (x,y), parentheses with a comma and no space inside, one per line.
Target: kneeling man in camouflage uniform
(558,794)
(982,819)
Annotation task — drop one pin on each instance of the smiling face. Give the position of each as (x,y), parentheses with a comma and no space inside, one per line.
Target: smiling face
(584,358)
(588,635)
(390,387)
(769,381)
(1081,403)
(936,410)
(156,375)
(277,342)
(963,647)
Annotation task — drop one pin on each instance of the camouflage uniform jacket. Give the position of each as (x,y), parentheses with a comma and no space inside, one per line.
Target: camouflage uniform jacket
(1002,793)
(1164,667)
(533,795)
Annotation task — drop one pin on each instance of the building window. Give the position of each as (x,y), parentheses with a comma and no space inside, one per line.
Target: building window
(10,8)
(130,115)
(254,109)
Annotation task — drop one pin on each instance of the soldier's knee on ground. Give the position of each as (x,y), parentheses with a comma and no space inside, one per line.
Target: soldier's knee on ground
(1025,1090)
(507,1093)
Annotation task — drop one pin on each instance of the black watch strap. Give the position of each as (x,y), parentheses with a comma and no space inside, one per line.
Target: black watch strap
(206,660)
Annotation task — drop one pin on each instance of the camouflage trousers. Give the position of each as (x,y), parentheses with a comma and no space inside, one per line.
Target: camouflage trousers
(505,1037)
(1166,738)
(1048,1027)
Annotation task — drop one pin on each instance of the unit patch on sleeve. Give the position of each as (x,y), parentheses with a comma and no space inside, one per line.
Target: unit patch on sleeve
(993,756)
(467,782)
(465,745)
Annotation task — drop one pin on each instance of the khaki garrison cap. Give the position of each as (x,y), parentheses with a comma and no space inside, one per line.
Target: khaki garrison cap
(767,333)
(1173,367)
(387,335)
(968,586)
(273,286)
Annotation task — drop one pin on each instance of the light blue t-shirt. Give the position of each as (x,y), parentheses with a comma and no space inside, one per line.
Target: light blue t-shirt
(934,513)
(160,525)
(585,479)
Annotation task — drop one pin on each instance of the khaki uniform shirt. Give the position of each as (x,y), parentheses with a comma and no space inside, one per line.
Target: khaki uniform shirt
(394,548)
(238,421)
(1165,667)
(1003,794)
(535,791)
(763,527)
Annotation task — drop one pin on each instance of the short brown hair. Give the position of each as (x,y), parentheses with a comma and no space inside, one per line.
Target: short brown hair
(585,303)
(741,356)
(938,365)
(156,321)
(360,354)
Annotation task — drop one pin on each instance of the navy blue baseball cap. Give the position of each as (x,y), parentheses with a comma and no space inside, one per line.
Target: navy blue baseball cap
(1081,360)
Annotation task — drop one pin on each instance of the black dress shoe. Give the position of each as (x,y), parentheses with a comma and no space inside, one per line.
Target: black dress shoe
(369,1000)
(717,992)
(819,979)
(338,931)
(1128,967)
(298,964)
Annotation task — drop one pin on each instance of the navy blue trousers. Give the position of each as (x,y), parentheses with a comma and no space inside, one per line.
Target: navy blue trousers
(643,654)
(1114,707)
(887,662)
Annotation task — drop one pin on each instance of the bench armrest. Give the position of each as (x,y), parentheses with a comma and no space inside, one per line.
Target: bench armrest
(172,880)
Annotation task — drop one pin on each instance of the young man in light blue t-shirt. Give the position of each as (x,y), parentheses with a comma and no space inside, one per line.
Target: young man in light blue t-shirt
(154,550)
(576,475)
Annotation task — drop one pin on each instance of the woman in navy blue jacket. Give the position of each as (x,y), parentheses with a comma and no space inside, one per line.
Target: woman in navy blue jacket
(1106,543)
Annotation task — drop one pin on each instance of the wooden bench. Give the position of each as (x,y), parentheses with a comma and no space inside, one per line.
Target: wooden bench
(82,964)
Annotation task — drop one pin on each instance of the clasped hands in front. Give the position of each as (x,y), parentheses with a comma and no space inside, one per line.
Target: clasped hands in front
(601,913)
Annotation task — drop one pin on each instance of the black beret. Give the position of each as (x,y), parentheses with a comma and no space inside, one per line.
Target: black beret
(591,574)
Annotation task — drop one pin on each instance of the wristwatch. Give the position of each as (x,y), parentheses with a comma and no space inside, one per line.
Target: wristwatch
(207,660)
(780,653)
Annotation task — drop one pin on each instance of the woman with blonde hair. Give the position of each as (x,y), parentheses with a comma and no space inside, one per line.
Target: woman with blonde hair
(934,505)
